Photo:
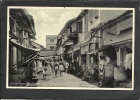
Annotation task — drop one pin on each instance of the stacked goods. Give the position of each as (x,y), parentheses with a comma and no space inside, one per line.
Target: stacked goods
(120,74)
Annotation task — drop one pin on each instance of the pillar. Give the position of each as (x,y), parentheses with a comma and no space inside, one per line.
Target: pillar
(15,50)
(88,61)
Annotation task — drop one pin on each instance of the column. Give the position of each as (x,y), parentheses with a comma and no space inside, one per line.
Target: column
(14,50)
(88,61)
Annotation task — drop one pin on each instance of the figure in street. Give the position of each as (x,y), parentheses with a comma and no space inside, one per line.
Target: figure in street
(61,68)
(44,65)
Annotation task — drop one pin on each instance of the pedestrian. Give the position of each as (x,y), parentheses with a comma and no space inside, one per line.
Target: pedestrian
(52,66)
(61,68)
(44,69)
(66,66)
(128,64)
(101,69)
(56,68)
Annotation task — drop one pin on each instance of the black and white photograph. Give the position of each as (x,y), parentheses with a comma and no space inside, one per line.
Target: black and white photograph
(83,48)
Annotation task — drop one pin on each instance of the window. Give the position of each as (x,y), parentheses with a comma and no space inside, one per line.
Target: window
(70,29)
(79,26)
(51,40)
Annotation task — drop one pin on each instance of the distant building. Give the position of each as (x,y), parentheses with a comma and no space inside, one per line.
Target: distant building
(51,41)
(36,45)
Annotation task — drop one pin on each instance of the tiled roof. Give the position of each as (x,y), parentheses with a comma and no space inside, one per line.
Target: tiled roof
(125,13)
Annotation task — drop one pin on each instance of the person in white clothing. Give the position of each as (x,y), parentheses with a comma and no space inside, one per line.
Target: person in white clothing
(66,66)
(128,64)
(61,68)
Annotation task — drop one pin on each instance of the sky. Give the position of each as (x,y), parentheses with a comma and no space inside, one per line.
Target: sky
(50,21)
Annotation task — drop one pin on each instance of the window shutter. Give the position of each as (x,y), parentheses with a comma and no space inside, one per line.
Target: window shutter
(76,26)
(81,27)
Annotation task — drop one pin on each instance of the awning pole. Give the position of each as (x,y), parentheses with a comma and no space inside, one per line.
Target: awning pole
(31,58)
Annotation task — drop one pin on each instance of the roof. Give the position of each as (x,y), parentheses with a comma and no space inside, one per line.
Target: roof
(123,16)
(66,25)
(124,35)
(51,35)
(37,44)
(22,16)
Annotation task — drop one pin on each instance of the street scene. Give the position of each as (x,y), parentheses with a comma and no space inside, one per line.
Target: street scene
(84,48)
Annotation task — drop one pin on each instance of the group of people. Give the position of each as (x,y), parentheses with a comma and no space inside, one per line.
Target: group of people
(107,65)
(56,66)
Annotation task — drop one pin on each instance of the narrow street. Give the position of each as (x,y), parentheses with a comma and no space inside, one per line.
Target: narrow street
(67,80)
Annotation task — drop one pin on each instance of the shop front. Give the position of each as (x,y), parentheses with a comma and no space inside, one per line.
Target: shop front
(123,44)
(84,57)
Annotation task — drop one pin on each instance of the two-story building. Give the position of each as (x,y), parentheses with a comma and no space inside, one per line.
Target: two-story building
(21,33)
(84,36)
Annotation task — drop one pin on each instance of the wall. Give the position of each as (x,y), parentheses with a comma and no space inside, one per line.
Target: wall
(48,44)
(107,38)
(127,23)
(92,21)
(104,15)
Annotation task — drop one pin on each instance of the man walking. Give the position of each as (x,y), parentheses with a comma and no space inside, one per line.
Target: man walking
(66,66)
(52,66)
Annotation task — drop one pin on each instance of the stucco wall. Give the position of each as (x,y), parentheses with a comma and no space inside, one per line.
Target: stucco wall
(108,38)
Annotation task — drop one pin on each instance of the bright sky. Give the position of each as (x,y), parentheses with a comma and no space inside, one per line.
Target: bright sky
(50,21)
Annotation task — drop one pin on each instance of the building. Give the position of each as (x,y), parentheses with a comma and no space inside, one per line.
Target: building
(51,41)
(21,34)
(36,45)
(80,37)
(83,38)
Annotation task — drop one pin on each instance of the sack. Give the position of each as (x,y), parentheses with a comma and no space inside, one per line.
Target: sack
(45,68)
(120,74)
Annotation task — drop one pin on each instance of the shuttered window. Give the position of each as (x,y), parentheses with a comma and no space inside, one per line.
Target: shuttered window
(81,23)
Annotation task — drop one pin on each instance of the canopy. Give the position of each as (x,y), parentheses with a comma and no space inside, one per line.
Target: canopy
(24,49)
(103,47)
(124,37)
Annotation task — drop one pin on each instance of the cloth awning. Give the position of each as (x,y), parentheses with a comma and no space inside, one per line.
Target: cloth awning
(124,37)
(103,47)
(24,49)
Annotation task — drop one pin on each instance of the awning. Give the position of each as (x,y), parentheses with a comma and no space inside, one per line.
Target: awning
(103,47)
(24,49)
(125,36)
